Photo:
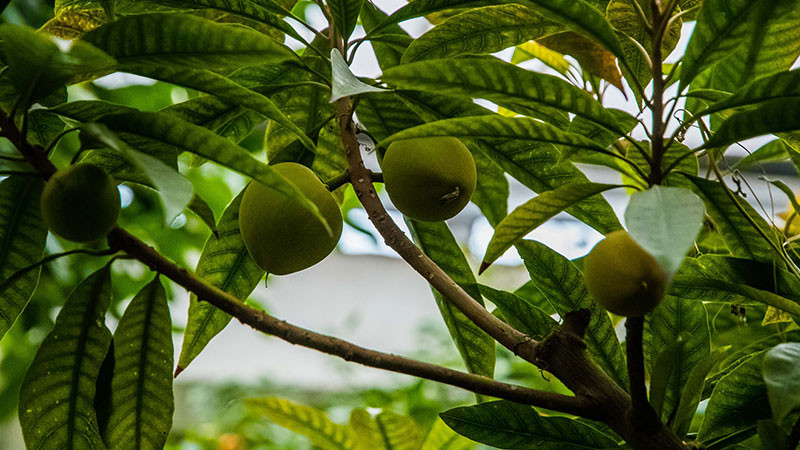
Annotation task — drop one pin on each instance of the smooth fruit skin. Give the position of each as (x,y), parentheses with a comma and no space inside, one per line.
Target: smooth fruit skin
(430,179)
(80,203)
(623,277)
(281,235)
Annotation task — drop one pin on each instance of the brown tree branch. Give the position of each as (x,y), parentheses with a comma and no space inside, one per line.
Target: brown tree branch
(642,413)
(263,322)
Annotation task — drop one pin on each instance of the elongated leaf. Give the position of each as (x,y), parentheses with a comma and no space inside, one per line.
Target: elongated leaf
(740,235)
(738,401)
(772,117)
(226,264)
(592,57)
(345,15)
(720,28)
(692,393)
(168,129)
(166,39)
(665,221)
(441,437)
(229,121)
(141,389)
(22,237)
(475,346)
(386,431)
(500,82)
(388,52)
(480,31)
(528,216)
(562,285)
(310,422)
(344,82)
(673,320)
(37,65)
(782,380)
(551,58)
(523,315)
(56,409)
(504,424)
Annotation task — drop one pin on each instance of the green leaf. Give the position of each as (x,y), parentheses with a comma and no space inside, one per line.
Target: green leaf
(562,285)
(504,424)
(168,129)
(692,393)
(389,52)
(665,221)
(531,50)
(738,401)
(682,321)
(345,15)
(782,379)
(386,431)
(226,264)
(344,82)
(773,151)
(141,389)
(23,236)
(720,28)
(175,191)
(521,314)
(491,192)
(56,409)
(592,57)
(536,211)
(770,117)
(227,120)
(310,422)
(204,212)
(500,82)
(441,437)
(475,346)
(183,39)
(479,31)
(741,235)
(37,66)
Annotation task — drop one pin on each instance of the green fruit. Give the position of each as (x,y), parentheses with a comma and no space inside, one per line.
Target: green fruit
(623,277)
(429,179)
(282,235)
(80,203)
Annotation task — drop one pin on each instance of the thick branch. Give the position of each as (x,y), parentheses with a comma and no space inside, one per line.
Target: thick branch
(642,413)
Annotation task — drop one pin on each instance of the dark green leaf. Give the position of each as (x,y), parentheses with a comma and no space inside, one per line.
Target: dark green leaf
(562,285)
(141,389)
(388,52)
(504,424)
(520,313)
(476,347)
(23,236)
(56,402)
(345,15)
(771,117)
(226,264)
(692,393)
(203,212)
(782,379)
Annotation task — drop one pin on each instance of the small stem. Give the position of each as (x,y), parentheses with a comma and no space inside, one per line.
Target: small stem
(642,413)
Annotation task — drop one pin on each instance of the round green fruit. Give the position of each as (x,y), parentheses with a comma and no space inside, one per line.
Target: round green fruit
(429,179)
(623,277)
(80,203)
(282,235)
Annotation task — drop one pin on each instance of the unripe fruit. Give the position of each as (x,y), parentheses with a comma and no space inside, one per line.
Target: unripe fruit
(80,203)
(282,235)
(623,277)
(429,179)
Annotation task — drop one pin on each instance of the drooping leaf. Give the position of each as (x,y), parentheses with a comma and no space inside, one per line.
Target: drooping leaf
(475,346)
(781,377)
(561,283)
(344,82)
(665,222)
(345,15)
(551,58)
(310,422)
(738,401)
(528,216)
(692,392)
(520,313)
(168,129)
(681,321)
(224,263)
(504,424)
(23,236)
(481,31)
(141,388)
(771,117)
(388,52)
(500,82)
(228,120)
(441,437)
(56,403)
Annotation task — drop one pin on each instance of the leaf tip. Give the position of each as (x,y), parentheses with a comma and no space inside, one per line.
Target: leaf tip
(484,265)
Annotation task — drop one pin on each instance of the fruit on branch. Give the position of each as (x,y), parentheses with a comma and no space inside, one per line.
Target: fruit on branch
(282,235)
(430,178)
(623,277)
(80,203)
